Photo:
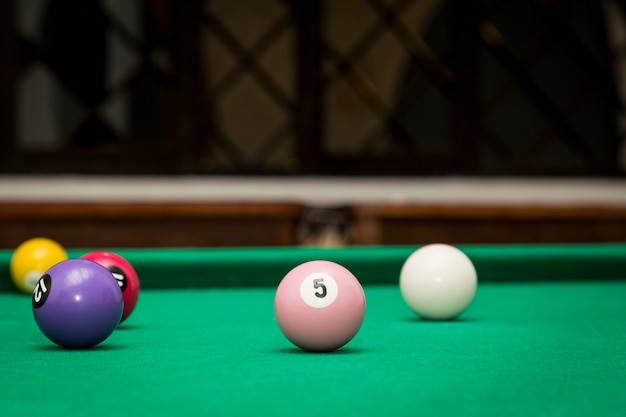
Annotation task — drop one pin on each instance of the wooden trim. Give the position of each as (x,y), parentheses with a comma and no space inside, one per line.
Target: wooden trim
(247,223)
(491,211)
(150,224)
(152,210)
(418,224)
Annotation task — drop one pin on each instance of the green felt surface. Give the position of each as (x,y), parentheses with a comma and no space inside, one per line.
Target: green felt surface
(521,349)
(229,267)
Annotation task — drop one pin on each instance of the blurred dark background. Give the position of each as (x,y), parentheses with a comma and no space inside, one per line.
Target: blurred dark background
(352,87)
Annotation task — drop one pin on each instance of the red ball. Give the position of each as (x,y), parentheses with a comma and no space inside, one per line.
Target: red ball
(125,275)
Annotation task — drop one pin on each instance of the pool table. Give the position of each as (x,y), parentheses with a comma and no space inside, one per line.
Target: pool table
(545,336)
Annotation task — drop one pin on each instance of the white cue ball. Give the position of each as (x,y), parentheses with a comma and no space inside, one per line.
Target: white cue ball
(438,282)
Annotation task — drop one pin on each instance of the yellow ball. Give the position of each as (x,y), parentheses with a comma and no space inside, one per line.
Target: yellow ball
(31,259)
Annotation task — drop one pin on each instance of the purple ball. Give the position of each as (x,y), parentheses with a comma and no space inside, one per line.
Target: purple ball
(77,303)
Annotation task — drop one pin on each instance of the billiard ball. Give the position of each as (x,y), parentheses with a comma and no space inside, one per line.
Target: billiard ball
(31,258)
(77,303)
(438,282)
(319,306)
(123,272)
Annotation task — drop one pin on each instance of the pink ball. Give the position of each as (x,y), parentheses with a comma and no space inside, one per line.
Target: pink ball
(319,306)
(125,275)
